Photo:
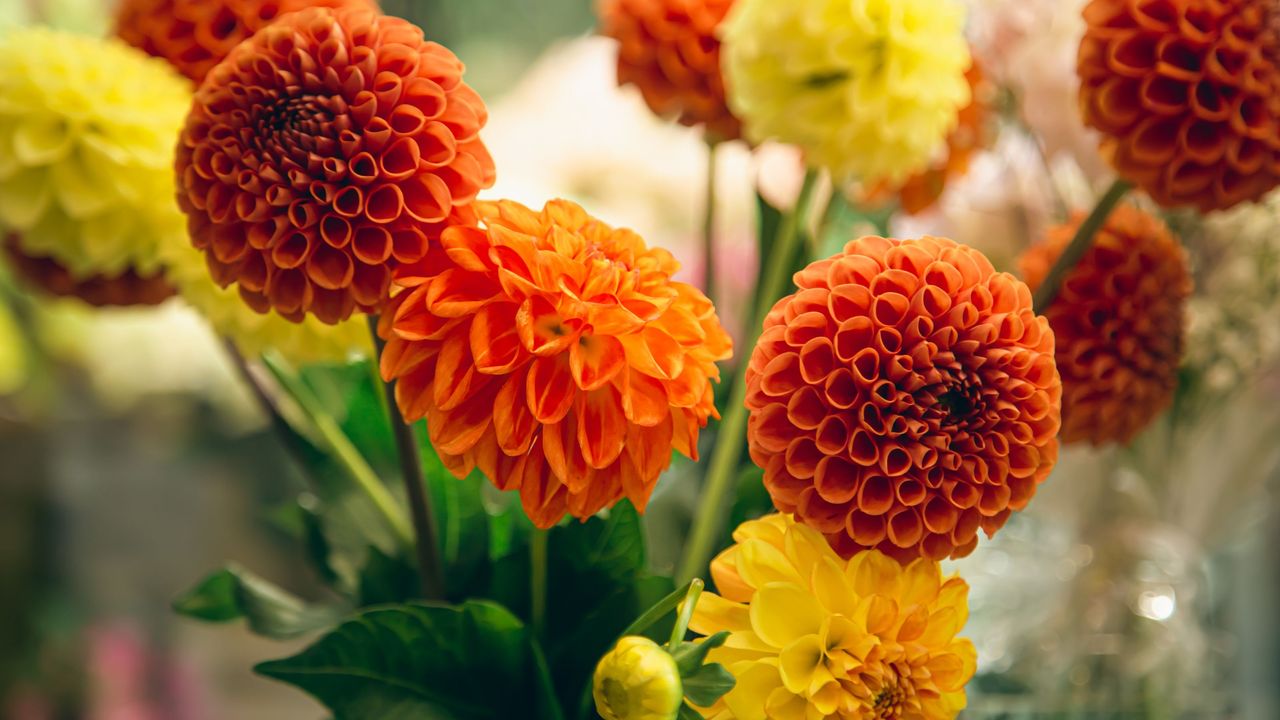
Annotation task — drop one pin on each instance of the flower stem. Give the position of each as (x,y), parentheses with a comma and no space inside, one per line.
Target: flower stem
(344,451)
(538,580)
(268,402)
(732,433)
(1079,245)
(686,612)
(415,486)
(709,225)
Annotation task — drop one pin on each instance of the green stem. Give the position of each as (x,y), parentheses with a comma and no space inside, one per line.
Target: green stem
(1080,243)
(344,451)
(415,487)
(732,432)
(267,400)
(686,612)
(538,580)
(709,225)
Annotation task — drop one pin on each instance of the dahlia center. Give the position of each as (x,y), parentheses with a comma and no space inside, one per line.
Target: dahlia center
(888,703)
(290,127)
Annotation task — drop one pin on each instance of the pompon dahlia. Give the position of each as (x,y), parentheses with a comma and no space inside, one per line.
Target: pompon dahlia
(816,636)
(86,142)
(556,354)
(1119,322)
(904,397)
(194,35)
(52,277)
(323,152)
(670,51)
(868,88)
(1187,96)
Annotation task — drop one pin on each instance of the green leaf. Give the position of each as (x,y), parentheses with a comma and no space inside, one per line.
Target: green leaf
(418,661)
(462,523)
(233,593)
(690,656)
(387,579)
(708,684)
(688,713)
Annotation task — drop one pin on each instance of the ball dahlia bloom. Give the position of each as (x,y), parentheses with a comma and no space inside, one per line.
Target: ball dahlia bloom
(1187,96)
(637,680)
(323,152)
(1119,322)
(556,354)
(904,397)
(86,143)
(867,88)
(670,51)
(194,35)
(52,277)
(813,635)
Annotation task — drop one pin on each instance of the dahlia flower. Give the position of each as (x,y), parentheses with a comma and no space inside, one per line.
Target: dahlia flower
(194,35)
(86,141)
(1118,321)
(1187,96)
(904,397)
(637,680)
(816,636)
(863,87)
(670,51)
(52,277)
(323,152)
(556,354)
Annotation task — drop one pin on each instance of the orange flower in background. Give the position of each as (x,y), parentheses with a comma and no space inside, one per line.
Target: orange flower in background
(556,354)
(971,134)
(670,50)
(904,397)
(322,153)
(52,277)
(1187,96)
(1119,323)
(194,35)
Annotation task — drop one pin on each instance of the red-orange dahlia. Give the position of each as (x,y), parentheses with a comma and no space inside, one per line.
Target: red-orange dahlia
(52,277)
(1118,320)
(556,354)
(670,50)
(194,35)
(322,153)
(904,397)
(1186,94)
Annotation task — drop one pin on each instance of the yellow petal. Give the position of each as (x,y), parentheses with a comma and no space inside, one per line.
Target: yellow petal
(871,572)
(713,614)
(799,662)
(783,612)
(880,612)
(920,582)
(41,140)
(753,687)
(943,626)
(24,197)
(760,563)
(784,705)
(832,587)
(806,547)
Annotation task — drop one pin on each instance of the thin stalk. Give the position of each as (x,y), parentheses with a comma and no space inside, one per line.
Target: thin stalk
(538,580)
(268,403)
(415,487)
(686,612)
(1079,245)
(344,451)
(709,225)
(732,432)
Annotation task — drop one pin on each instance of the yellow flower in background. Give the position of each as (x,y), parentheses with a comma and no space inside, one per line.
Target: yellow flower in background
(815,636)
(866,88)
(87,129)
(637,680)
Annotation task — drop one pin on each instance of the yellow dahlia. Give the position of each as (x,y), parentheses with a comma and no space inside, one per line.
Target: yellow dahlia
(637,680)
(864,87)
(87,129)
(815,636)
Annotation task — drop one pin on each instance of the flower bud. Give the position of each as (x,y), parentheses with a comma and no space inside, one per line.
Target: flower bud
(637,680)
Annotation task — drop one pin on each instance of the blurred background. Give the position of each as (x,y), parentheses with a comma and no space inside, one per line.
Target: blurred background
(132,461)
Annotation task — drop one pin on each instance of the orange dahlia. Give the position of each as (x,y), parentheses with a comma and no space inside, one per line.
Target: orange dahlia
(904,397)
(322,153)
(556,354)
(50,276)
(670,50)
(1186,94)
(194,35)
(1118,320)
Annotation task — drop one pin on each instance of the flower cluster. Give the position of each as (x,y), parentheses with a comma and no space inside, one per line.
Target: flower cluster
(556,354)
(864,87)
(817,636)
(52,277)
(324,151)
(1118,321)
(904,397)
(195,35)
(1187,96)
(670,51)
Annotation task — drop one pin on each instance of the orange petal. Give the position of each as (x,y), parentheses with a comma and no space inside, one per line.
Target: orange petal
(602,427)
(595,360)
